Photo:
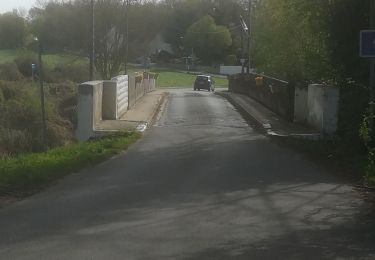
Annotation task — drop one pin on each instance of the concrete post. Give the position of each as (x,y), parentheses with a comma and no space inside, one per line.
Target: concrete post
(89,109)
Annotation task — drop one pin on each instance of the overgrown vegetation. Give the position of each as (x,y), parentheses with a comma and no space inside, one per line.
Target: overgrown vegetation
(20,112)
(20,116)
(368,139)
(26,173)
(317,42)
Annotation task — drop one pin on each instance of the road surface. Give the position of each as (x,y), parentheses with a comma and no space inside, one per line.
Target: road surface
(201,184)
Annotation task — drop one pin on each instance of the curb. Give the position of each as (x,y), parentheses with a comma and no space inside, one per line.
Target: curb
(266,128)
(158,109)
(253,121)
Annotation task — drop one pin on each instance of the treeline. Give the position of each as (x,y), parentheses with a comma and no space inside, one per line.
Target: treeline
(304,40)
(209,29)
(294,39)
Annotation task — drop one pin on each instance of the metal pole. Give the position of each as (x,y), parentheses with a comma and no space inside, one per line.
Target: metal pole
(127,36)
(44,125)
(372,69)
(242,64)
(192,58)
(248,38)
(92,49)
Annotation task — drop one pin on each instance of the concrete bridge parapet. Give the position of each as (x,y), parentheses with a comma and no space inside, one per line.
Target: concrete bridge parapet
(108,101)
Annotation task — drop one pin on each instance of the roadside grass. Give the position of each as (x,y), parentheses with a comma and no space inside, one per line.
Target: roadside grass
(172,79)
(50,59)
(10,55)
(61,58)
(26,174)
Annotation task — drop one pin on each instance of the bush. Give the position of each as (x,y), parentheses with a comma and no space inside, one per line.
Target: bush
(353,103)
(72,72)
(59,132)
(9,71)
(15,141)
(2,99)
(231,60)
(9,89)
(22,114)
(24,64)
(367,136)
(68,108)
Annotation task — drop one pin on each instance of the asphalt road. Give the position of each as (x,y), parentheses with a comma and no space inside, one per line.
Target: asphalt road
(201,184)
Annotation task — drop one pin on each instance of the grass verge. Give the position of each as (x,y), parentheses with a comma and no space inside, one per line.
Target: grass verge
(10,55)
(26,174)
(50,59)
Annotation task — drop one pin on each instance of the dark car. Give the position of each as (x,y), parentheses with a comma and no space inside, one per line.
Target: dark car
(204,82)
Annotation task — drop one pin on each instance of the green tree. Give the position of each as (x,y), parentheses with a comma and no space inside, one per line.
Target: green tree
(62,25)
(181,14)
(209,40)
(304,40)
(290,39)
(13,31)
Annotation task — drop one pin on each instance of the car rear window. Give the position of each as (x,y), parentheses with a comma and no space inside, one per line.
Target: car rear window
(202,78)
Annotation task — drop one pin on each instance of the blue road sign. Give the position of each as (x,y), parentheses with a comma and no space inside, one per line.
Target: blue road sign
(367,44)
(33,67)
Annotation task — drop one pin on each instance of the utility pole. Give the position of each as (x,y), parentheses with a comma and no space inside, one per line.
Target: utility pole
(248,38)
(242,58)
(92,44)
(245,29)
(40,70)
(127,36)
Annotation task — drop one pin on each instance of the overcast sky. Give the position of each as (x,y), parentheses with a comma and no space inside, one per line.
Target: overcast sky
(9,5)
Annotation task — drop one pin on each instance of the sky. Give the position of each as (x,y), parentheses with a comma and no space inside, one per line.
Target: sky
(9,5)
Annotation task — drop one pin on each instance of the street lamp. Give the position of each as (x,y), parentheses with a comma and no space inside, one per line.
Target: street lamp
(42,102)
(247,29)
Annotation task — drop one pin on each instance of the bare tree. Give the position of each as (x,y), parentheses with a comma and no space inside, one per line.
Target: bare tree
(110,42)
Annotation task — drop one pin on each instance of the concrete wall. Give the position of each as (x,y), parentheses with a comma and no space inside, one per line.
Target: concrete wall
(277,95)
(323,103)
(89,109)
(300,105)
